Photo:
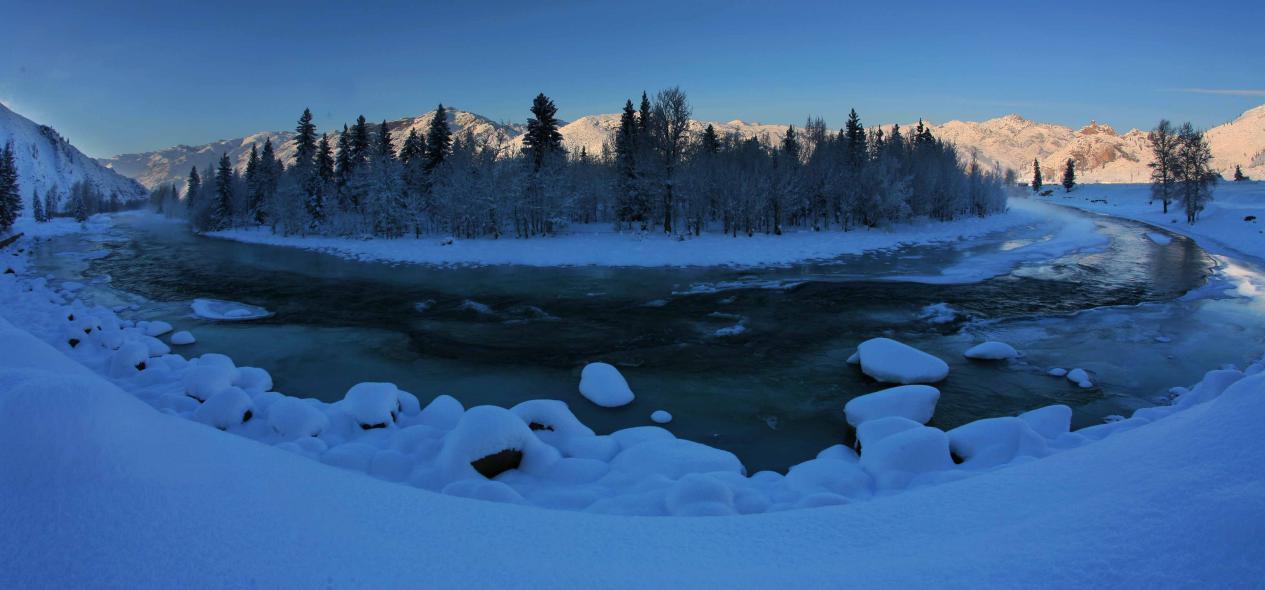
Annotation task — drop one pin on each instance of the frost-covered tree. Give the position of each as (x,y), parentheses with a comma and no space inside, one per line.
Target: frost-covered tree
(37,207)
(1194,171)
(52,200)
(10,191)
(1164,146)
(1036,176)
(1069,175)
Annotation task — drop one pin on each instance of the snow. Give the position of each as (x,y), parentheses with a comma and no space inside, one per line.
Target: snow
(1159,238)
(889,361)
(218,309)
(661,417)
(600,245)
(155,327)
(602,384)
(372,405)
(1080,377)
(913,402)
(294,418)
(125,459)
(991,351)
(1057,372)
(182,338)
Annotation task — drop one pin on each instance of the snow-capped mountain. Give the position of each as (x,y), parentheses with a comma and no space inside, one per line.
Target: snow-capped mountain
(45,159)
(172,165)
(1101,154)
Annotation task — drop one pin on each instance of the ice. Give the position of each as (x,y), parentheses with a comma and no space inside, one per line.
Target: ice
(182,338)
(661,417)
(890,361)
(733,330)
(1057,372)
(602,384)
(914,402)
(992,351)
(1159,238)
(218,309)
(938,313)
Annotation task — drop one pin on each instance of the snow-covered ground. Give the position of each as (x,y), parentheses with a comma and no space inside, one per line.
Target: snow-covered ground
(1233,222)
(114,472)
(600,244)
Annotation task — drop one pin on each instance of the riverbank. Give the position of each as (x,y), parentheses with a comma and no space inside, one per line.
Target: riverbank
(601,245)
(1233,222)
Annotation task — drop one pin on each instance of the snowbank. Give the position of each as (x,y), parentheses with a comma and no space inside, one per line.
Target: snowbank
(599,244)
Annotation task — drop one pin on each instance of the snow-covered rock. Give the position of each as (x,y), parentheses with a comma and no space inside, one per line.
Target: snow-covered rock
(1057,372)
(895,460)
(674,459)
(661,416)
(1049,421)
(219,309)
(890,361)
(1080,377)
(156,328)
(372,405)
(991,351)
(293,418)
(995,441)
(182,338)
(914,402)
(225,409)
(603,385)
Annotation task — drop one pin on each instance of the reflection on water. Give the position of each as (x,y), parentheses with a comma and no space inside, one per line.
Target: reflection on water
(772,392)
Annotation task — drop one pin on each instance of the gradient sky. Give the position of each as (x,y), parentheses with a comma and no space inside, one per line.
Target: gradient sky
(124,77)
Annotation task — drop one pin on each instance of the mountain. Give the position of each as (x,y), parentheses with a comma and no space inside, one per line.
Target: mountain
(1101,154)
(45,158)
(172,165)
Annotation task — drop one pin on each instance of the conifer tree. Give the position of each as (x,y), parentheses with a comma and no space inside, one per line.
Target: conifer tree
(1069,176)
(324,160)
(1238,174)
(438,139)
(709,143)
(342,161)
(222,208)
(542,139)
(1036,176)
(51,198)
(359,142)
(413,148)
(37,208)
(854,133)
(193,186)
(384,148)
(643,117)
(10,196)
(304,141)
(253,172)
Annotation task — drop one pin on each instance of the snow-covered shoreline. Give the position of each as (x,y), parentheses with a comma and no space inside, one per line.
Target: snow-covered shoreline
(601,245)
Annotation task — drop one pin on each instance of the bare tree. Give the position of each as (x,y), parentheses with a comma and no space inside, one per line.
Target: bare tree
(1194,170)
(670,119)
(1164,144)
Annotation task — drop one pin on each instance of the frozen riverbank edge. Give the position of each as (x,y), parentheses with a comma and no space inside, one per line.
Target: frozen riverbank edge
(600,245)
(80,443)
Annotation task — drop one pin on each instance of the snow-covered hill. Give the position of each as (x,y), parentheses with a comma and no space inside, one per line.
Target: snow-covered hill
(172,165)
(1101,154)
(45,158)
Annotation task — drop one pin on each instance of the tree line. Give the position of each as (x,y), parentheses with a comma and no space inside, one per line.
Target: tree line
(655,173)
(1182,168)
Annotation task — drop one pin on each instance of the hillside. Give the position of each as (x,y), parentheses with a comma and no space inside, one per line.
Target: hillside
(45,159)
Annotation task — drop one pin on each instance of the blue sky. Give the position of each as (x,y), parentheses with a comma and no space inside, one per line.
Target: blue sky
(124,77)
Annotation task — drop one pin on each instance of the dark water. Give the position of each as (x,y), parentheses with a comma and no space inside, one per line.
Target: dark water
(773,393)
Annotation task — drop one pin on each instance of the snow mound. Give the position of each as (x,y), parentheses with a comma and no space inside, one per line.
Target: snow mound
(890,361)
(995,441)
(914,402)
(219,309)
(674,458)
(991,351)
(661,416)
(294,418)
(1080,377)
(894,461)
(157,328)
(602,384)
(225,409)
(372,405)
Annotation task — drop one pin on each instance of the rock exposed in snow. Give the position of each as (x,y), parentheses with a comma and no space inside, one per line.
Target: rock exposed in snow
(914,402)
(602,384)
(991,351)
(890,361)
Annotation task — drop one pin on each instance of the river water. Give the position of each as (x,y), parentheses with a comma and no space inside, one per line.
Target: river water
(769,386)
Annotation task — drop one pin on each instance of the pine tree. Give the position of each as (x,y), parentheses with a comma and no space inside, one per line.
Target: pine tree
(413,148)
(1069,176)
(629,207)
(324,160)
(1036,176)
(304,141)
(342,158)
(542,139)
(1238,174)
(222,208)
(51,199)
(643,117)
(854,133)
(709,143)
(384,148)
(359,143)
(270,170)
(253,173)
(438,139)
(10,196)
(37,208)
(193,186)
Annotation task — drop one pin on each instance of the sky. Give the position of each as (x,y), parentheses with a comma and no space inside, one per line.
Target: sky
(123,77)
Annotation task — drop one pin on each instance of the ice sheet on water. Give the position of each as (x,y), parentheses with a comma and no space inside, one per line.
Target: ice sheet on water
(223,310)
